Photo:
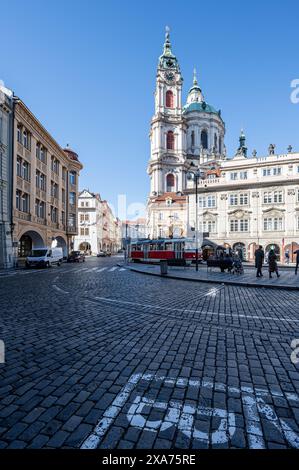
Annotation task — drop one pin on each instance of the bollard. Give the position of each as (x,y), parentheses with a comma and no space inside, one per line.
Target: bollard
(163,267)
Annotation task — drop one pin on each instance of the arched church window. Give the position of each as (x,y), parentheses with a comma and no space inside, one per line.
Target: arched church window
(170,183)
(220,145)
(169,99)
(215,142)
(192,138)
(204,139)
(170,140)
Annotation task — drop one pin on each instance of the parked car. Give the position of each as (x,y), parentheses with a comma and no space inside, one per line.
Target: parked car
(101,254)
(44,257)
(76,257)
(108,253)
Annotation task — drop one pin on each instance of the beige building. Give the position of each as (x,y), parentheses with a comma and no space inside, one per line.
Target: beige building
(246,201)
(98,229)
(167,216)
(45,187)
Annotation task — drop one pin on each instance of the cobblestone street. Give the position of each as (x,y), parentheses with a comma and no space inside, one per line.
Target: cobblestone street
(98,356)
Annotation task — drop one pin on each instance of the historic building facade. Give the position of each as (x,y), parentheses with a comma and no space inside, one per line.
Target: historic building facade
(242,201)
(6,158)
(98,228)
(45,186)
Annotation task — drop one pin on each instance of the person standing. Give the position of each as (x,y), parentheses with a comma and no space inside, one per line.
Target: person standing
(287,257)
(273,268)
(259,260)
(297,260)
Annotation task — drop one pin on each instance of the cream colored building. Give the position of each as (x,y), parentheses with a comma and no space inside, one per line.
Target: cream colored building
(45,186)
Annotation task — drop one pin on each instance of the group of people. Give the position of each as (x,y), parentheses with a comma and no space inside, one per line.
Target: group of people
(272,262)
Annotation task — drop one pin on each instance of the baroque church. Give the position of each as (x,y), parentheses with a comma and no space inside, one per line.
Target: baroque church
(242,201)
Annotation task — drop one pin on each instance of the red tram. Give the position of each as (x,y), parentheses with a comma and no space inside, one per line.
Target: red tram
(177,251)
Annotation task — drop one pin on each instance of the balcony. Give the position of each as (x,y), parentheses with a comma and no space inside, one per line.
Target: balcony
(22,215)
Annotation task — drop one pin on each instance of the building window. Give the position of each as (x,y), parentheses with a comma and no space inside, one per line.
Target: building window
(208,226)
(161,215)
(63,196)
(273,224)
(72,198)
(243,175)
(170,140)
(64,173)
(40,209)
(24,203)
(86,217)
(234,176)
(72,220)
(271,171)
(26,170)
(220,145)
(55,165)
(244,199)
(18,199)
(209,201)
(53,212)
(170,183)
(82,232)
(54,189)
(215,142)
(19,166)
(239,225)
(169,99)
(277,197)
(19,133)
(204,139)
(267,197)
(63,217)
(41,153)
(72,177)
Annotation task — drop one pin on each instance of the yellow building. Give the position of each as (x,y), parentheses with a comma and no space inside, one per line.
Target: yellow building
(45,187)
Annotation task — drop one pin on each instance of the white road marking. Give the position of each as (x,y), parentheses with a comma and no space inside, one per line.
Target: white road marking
(60,290)
(101,270)
(112,269)
(183,416)
(204,312)
(110,414)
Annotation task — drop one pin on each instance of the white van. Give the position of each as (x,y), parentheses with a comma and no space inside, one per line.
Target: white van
(44,257)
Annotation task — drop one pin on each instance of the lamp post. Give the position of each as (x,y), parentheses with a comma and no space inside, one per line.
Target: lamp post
(195,176)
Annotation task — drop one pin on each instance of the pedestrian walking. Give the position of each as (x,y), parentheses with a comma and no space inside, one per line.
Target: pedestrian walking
(273,268)
(259,260)
(287,257)
(297,260)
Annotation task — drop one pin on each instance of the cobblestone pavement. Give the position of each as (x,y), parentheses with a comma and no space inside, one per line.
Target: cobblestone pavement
(98,356)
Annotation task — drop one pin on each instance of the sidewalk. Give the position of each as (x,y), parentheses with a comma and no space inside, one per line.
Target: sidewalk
(287,280)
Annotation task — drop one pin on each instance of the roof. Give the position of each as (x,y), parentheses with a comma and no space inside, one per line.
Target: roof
(174,196)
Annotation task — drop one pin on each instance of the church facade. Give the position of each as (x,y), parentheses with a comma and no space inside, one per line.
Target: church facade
(242,201)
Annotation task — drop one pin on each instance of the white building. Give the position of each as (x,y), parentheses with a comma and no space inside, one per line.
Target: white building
(242,201)
(98,228)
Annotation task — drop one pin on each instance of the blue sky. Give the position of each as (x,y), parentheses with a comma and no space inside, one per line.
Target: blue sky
(87,71)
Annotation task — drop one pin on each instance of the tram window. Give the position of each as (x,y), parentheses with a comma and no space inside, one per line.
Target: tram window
(168,246)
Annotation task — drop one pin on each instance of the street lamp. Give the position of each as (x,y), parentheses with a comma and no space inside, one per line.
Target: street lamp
(196,175)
